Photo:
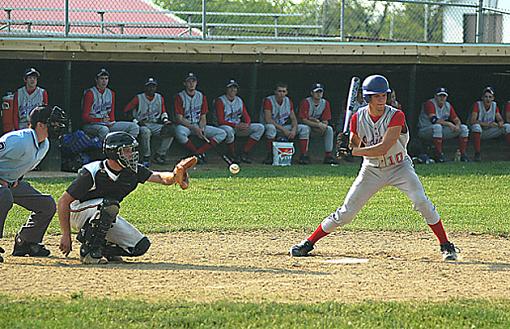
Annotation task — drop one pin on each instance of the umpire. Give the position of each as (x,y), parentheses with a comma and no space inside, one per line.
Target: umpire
(20,152)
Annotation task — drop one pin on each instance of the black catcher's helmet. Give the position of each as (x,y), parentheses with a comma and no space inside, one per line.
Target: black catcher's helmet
(123,148)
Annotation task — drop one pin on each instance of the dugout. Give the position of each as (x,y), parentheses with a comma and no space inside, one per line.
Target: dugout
(68,66)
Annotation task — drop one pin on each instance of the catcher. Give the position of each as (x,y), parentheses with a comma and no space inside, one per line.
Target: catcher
(91,203)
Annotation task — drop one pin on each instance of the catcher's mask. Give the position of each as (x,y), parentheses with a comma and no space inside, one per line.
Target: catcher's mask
(123,148)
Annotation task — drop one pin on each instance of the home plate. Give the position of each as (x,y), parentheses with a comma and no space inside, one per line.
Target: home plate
(347,261)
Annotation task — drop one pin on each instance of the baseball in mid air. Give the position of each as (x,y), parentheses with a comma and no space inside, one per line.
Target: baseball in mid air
(234,168)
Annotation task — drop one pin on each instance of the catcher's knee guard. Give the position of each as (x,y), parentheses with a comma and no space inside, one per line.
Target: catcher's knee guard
(141,247)
(93,233)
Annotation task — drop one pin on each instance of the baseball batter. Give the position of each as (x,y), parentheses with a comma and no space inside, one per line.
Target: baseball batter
(379,134)
(91,203)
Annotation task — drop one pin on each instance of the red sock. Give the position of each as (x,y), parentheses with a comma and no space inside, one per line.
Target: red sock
(463,145)
(438,230)
(438,144)
(269,145)
(507,138)
(231,149)
(476,141)
(249,145)
(207,146)
(317,235)
(327,154)
(189,145)
(303,146)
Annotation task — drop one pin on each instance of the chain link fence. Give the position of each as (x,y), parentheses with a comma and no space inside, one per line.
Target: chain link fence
(428,21)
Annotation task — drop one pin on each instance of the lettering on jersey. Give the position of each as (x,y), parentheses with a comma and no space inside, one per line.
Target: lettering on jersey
(2,146)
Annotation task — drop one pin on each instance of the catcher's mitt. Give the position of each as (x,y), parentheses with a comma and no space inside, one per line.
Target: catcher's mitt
(181,171)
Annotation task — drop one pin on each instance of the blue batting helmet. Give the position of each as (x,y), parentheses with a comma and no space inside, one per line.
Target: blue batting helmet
(375,84)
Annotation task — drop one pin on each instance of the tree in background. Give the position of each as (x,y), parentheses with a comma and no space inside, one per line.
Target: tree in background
(363,19)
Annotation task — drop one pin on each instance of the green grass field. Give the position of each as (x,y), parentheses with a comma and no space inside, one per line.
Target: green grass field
(470,198)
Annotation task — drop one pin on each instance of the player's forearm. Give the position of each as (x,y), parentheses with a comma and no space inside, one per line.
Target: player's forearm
(64,221)
(165,178)
(376,150)
(315,124)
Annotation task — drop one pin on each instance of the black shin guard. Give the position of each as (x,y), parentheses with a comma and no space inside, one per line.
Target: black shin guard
(95,235)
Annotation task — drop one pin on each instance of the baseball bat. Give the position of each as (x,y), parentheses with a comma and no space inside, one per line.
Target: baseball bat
(343,136)
(223,156)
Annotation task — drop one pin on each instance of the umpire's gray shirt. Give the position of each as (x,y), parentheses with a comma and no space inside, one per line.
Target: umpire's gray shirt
(19,153)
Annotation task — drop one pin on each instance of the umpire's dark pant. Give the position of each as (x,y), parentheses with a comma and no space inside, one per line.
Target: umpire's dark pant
(43,208)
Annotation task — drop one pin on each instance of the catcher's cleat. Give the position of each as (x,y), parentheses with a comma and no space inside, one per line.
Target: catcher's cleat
(32,249)
(87,259)
(114,259)
(464,158)
(449,251)
(301,249)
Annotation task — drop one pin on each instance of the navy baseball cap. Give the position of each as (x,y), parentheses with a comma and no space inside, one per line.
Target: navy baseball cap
(231,83)
(151,81)
(190,76)
(102,72)
(442,91)
(489,89)
(317,87)
(32,71)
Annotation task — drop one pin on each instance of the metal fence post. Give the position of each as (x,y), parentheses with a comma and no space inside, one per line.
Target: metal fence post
(101,13)
(66,24)
(8,11)
(204,24)
(342,22)
(480,25)
(276,26)
(426,23)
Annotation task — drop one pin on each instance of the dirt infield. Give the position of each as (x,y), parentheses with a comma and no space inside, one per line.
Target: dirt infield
(254,267)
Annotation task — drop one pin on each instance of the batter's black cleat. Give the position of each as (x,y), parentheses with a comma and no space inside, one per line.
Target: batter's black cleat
(32,249)
(449,251)
(301,249)
(1,252)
